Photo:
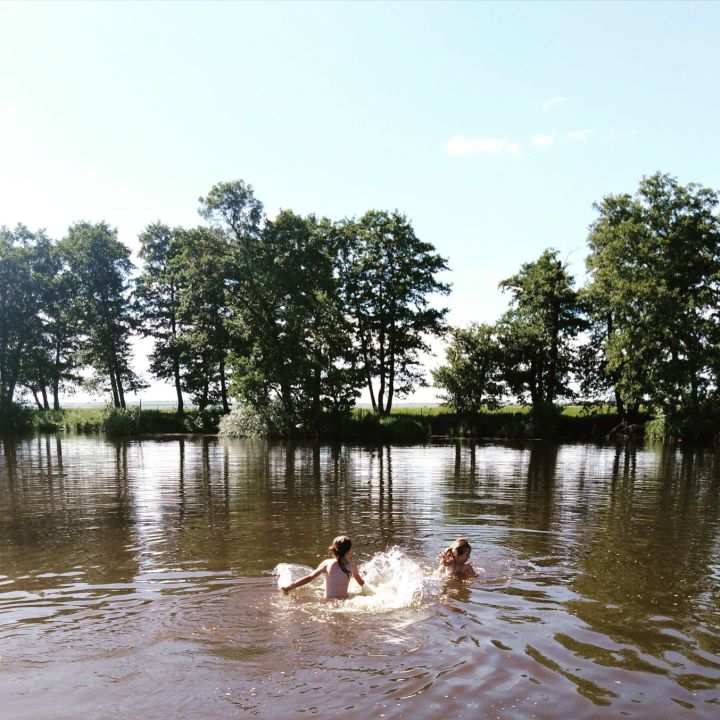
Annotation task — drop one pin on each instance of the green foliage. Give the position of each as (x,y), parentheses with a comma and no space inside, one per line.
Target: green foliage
(678,427)
(22,295)
(471,377)
(387,277)
(294,315)
(404,429)
(99,267)
(248,421)
(120,421)
(158,297)
(14,419)
(654,268)
(537,334)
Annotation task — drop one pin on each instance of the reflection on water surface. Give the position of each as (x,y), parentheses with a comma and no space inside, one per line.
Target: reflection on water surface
(136,578)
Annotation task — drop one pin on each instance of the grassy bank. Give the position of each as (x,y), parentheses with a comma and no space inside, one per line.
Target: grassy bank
(132,421)
(511,422)
(404,425)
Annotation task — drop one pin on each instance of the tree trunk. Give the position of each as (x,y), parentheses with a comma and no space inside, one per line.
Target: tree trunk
(619,404)
(178,386)
(121,394)
(315,407)
(113,385)
(37,399)
(372,392)
(56,378)
(46,404)
(391,384)
(178,390)
(550,388)
(223,388)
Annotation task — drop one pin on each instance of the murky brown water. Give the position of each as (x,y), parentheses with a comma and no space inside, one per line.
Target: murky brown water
(135,581)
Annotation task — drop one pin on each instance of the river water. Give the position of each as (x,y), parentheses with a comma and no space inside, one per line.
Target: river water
(136,580)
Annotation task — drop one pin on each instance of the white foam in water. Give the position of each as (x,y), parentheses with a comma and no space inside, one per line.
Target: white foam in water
(392,581)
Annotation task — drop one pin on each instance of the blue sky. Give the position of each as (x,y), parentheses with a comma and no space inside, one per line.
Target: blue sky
(493,126)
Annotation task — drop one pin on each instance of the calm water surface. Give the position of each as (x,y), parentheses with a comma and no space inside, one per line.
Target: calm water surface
(136,581)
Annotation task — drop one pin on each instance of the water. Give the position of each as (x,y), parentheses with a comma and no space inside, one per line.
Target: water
(136,580)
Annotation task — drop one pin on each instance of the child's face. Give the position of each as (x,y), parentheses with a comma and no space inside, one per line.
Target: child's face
(462,558)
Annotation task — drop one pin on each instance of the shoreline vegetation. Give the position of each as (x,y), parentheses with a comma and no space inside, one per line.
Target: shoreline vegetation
(405,425)
(276,326)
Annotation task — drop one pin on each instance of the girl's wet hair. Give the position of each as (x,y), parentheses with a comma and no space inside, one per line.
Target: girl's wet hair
(339,548)
(460,547)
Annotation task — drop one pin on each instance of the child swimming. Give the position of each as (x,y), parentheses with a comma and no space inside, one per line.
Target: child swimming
(454,560)
(337,571)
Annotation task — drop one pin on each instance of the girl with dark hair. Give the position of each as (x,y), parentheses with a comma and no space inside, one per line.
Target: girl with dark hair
(337,570)
(454,560)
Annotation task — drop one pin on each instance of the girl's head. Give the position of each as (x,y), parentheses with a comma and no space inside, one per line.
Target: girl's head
(340,548)
(460,550)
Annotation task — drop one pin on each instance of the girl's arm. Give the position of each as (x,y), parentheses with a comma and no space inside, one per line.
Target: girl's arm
(319,570)
(446,559)
(357,577)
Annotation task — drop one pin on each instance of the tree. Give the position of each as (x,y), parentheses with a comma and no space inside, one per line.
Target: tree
(40,330)
(205,264)
(99,267)
(290,322)
(235,217)
(158,297)
(654,280)
(288,335)
(472,375)
(388,276)
(538,331)
(20,306)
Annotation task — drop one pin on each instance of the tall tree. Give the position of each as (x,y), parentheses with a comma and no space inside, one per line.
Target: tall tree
(100,267)
(158,296)
(472,374)
(388,276)
(62,331)
(291,322)
(21,295)
(235,216)
(204,265)
(654,279)
(538,331)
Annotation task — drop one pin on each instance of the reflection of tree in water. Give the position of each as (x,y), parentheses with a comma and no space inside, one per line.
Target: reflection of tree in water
(649,552)
(509,486)
(61,516)
(246,505)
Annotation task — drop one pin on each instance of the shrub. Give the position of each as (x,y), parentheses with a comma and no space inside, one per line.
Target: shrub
(404,429)
(247,421)
(120,421)
(15,418)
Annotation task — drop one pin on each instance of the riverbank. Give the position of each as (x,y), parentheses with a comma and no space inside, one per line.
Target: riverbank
(405,425)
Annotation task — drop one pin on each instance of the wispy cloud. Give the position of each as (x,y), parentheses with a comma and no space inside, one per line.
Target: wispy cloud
(554,102)
(460,145)
(484,145)
(542,140)
(578,135)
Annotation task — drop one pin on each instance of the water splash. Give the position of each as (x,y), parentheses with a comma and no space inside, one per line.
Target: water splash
(392,581)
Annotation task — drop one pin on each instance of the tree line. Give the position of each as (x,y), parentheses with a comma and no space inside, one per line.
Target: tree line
(642,332)
(292,315)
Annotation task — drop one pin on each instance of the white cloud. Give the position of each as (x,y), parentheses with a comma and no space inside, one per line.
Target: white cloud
(460,145)
(542,140)
(554,102)
(578,135)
